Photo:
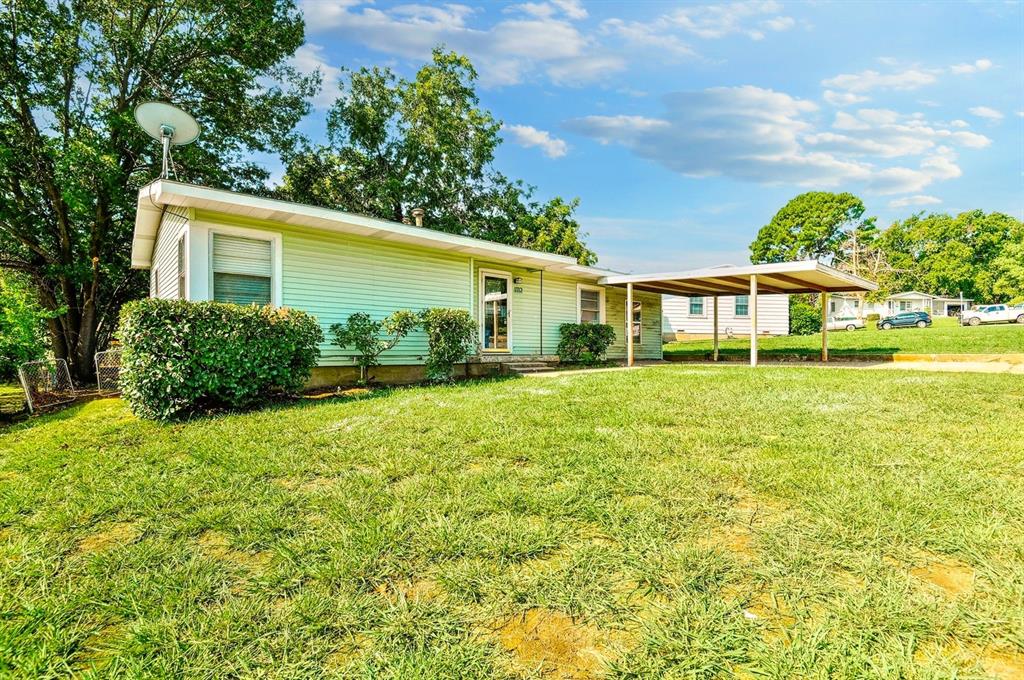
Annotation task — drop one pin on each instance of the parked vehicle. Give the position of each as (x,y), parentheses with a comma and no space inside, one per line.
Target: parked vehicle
(905,320)
(844,323)
(980,314)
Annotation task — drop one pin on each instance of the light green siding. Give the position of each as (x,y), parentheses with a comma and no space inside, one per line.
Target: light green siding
(560,307)
(332,275)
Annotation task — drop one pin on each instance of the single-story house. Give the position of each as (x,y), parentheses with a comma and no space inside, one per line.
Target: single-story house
(210,244)
(686,317)
(910,301)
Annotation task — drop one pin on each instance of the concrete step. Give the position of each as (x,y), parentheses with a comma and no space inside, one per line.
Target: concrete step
(516,368)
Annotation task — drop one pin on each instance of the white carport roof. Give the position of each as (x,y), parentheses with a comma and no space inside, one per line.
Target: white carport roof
(805,276)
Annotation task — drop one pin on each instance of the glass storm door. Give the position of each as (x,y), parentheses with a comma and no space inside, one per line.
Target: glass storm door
(495,313)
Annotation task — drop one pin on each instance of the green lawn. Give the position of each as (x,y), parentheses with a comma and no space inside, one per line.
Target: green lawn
(675,521)
(945,336)
(12,398)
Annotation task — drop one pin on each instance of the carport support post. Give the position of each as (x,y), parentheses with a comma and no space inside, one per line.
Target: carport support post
(753,319)
(715,307)
(824,326)
(629,324)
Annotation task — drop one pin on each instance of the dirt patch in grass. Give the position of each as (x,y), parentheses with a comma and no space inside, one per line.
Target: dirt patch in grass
(952,576)
(1004,664)
(550,641)
(119,533)
(416,589)
(216,545)
(95,651)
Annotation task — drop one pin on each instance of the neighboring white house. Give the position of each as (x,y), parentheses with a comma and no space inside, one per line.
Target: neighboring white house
(688,317)
(910,301)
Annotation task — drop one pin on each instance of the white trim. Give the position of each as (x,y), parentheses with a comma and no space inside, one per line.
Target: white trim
(155,196)
(181,255)
(495,274)
(276,292)
(601,302)
(736,314)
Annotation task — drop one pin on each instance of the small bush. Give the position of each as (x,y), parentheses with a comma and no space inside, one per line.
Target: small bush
(451,338)
(873,318)
(185,357)
(369,337)
(804,318)
(22,325)
(584,343)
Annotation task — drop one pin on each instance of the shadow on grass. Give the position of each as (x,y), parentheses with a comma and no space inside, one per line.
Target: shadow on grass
(275,403)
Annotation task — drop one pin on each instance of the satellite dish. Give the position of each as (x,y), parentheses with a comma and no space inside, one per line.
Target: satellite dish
(170,125)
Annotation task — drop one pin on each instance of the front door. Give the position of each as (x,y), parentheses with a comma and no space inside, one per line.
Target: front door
(495,313)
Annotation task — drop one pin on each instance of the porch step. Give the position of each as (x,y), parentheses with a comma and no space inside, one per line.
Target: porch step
(527,367)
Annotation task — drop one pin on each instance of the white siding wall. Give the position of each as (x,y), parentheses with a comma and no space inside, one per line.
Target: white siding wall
(772,316)
(163,275)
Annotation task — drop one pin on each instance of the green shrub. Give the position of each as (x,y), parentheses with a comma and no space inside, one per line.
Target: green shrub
(584,343)
(369,337)
(804,318)
(451,338)
(873,318)
(185,357)
(22,325)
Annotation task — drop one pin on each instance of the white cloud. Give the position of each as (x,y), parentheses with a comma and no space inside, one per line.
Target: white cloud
(309,58)
(536,37)
(865,81)
(529,136)
(843,98)
(916,199)
(768,137)
(986,112)
(646,35)
(718,21)
(976,66)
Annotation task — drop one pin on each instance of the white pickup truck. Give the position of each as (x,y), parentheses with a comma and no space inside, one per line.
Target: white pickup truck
(975,316)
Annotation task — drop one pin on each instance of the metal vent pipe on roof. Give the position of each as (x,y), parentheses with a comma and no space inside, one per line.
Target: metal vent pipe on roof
(417,214)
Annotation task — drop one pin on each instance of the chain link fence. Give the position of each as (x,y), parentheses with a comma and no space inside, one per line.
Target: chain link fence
(108,371)
(46,383)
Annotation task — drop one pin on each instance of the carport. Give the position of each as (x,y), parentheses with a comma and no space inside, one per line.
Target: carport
(780,278)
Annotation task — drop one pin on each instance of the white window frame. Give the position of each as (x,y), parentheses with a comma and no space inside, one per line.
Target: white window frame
(735,304)
(703,307)
(494,274)
(580,287)
(257,235)
(155,293)
(629,323)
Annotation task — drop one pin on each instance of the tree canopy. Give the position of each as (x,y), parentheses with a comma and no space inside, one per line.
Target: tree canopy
(816,225)
(397,144)
(72,157)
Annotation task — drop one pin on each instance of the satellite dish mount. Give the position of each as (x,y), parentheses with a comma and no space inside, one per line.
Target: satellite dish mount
(171,126)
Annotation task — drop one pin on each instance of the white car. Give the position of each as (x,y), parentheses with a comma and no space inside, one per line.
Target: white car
(844,323)
(975,316)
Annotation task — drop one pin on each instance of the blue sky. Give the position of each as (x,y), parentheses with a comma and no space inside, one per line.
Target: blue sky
(683,127)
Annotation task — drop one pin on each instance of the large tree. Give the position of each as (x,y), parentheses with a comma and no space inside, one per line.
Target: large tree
(974,253)
(397,144)
(816,225)
(72,158)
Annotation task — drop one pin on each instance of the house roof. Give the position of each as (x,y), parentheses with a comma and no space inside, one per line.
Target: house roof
(155,197)
(805,276)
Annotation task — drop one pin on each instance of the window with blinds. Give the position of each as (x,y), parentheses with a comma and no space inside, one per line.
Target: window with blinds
(742,305)
(242,270)
(589,305)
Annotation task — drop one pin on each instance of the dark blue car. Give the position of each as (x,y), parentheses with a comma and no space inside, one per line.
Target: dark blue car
(905,320)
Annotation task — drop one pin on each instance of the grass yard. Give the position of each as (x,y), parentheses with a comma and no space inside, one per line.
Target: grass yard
(676,521)
(946,336)
(12,398)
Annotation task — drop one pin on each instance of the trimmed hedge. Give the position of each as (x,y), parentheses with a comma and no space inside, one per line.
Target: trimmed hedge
(181,358)
(584,343)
